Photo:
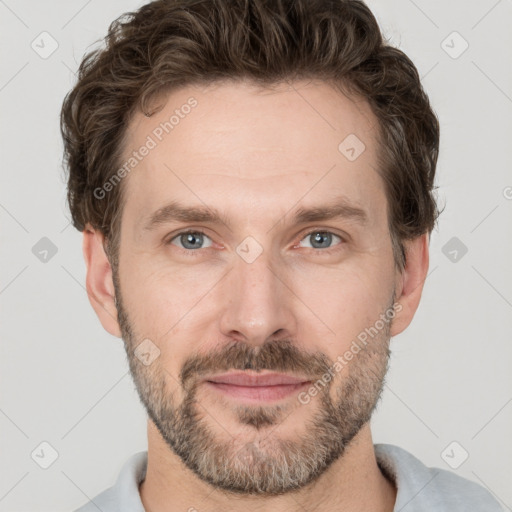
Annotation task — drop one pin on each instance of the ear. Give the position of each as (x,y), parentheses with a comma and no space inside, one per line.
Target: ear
(410,281)
(99,283)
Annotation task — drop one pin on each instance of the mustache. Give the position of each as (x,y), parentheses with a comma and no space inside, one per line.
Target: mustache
(280,355)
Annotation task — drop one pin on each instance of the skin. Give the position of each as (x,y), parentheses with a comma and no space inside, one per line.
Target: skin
(256,155)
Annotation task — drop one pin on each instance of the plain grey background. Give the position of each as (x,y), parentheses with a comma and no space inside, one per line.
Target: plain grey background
(65,381)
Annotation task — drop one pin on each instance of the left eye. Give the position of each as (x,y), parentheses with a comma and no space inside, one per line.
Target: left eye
(321,239)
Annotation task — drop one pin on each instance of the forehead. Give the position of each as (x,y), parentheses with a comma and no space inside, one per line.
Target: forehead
(254,149)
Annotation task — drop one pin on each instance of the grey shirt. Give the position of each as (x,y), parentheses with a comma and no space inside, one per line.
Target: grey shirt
(419,488)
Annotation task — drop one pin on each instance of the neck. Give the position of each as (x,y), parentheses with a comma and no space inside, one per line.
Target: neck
(352,483)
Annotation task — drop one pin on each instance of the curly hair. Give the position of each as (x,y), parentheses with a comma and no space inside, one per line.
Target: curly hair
(169,44)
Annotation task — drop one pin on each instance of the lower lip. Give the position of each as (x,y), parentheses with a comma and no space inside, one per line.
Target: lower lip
(258,393)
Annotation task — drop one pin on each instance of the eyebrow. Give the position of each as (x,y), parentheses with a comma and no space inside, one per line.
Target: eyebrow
(341,208)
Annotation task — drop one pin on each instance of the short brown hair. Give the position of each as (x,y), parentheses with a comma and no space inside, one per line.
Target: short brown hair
(169,44)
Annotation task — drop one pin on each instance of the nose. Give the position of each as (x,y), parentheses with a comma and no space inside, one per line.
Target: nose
(258,303)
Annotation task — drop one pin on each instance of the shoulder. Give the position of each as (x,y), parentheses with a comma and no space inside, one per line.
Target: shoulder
(107,501)
(123,496)
(421,488)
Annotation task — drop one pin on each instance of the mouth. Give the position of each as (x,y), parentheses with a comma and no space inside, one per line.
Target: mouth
(258,387)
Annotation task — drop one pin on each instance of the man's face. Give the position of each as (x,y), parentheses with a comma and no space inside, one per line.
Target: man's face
(239,323)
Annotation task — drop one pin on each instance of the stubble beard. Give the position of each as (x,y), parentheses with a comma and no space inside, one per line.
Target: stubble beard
(262,463)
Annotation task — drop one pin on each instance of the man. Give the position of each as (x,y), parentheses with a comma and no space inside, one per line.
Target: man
(254,181)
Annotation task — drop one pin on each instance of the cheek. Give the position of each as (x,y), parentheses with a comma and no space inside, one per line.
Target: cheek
(161,292)
(156,307)
(344,301)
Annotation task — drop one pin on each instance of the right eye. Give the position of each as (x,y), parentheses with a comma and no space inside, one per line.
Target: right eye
(189,240)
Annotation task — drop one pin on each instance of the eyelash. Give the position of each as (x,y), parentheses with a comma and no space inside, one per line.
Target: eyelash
(193,253)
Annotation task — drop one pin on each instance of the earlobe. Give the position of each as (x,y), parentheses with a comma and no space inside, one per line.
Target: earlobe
(410,282)
(99,282)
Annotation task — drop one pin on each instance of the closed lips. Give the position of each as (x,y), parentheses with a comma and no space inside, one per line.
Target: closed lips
(244,379)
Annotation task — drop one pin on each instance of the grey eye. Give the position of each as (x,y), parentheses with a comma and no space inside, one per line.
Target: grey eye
(191,240)
(321,239)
